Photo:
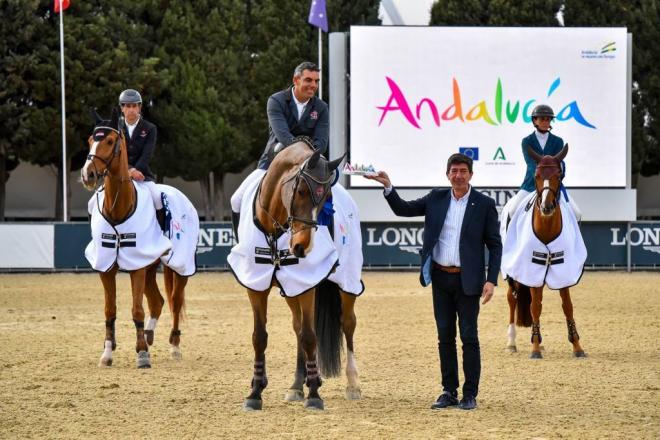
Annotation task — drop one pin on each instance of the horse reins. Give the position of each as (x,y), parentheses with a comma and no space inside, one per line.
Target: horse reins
(116,152)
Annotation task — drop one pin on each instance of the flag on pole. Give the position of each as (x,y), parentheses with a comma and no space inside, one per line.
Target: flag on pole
(317,15)
(65,4)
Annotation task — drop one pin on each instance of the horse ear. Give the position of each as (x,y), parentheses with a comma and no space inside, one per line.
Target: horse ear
(533,154)
(314,159)
(97,118)
(332,165)
(562,154)
(114,119)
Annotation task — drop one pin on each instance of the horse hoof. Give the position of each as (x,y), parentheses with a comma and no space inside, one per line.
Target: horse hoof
(105,362)
(252,405)
(536,355)
(143,360)
(294,395)
(175,352)
(579,354)
(512,349)
(313,403)
(149,335)
(353,393)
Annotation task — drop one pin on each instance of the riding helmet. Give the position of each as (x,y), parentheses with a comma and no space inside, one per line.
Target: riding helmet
(130,96)
(543,110)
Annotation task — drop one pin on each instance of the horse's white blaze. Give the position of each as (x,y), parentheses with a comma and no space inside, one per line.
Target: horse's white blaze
(85,170)
(546,191)
(151,324)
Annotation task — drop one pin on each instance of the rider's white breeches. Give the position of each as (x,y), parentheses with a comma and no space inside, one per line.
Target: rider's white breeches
(512,205)
(155,192)
(237,197)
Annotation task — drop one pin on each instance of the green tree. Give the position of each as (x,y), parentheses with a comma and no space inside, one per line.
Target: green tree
(642,18)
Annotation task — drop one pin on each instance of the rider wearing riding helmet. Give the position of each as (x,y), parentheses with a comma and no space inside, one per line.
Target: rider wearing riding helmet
(140,137)
(544,143)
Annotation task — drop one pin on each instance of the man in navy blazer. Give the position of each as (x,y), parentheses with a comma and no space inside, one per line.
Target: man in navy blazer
(459,223)
(293,112)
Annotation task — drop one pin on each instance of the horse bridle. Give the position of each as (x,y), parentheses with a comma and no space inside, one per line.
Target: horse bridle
(313,183)
(554,193)
(116,150)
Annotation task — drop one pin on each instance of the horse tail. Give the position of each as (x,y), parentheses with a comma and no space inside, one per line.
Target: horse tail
(523,312)
(328,328)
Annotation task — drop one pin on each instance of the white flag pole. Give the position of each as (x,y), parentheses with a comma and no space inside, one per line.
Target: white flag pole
(320,63)
(65,169)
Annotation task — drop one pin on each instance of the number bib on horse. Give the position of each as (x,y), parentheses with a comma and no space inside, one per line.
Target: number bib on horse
(527,260)
(133,244)
(255,262)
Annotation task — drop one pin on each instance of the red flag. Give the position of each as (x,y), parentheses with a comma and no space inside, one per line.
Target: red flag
(65,4)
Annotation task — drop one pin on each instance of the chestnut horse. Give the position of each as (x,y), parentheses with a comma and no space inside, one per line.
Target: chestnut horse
(288,200)
(107,163)
(525,303)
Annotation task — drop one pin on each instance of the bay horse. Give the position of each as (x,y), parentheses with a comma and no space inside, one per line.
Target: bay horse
(107,164)
(525,303)
(289,200)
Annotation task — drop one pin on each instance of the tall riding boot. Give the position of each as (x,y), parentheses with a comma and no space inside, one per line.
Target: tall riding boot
(235,218)
(161,217)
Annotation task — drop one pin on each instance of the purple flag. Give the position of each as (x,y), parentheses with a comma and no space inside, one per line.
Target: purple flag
(317,15)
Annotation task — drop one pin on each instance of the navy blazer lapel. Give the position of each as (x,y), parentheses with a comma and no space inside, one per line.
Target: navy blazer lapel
(535,144)
(443,207)
(471,202)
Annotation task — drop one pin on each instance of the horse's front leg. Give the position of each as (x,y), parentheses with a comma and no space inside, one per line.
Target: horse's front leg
(536,306)
(295,392)
(573,336)
(137,287)
(110,293)
(259,302)
(349,322)
(308,342)
(511,331)
(155,302)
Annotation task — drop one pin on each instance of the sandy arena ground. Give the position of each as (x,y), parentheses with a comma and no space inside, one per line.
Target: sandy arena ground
(51,336)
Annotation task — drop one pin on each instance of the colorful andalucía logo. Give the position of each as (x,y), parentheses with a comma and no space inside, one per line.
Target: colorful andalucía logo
(496,113)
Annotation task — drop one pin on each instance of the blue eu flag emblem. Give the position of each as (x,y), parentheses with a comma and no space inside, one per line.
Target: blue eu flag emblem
(471,152)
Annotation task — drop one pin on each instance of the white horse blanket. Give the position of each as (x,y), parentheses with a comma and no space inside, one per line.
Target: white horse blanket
(526,259)
(138,241)
(255,263)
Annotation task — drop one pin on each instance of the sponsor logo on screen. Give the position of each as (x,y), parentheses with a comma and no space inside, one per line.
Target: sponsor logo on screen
(494,112)
(607,50)
(647,238)
(499,158)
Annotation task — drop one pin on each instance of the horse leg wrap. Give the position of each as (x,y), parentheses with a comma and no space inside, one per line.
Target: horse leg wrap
(174,333)
(138,324)
(259,375)
(573,335)
(110,326)
(312,374)
(536,331)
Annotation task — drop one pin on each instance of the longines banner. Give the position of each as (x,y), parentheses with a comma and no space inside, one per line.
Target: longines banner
(383,244)
(419,94)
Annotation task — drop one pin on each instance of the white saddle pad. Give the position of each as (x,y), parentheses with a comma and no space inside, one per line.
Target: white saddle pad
(254,265)
(526,259)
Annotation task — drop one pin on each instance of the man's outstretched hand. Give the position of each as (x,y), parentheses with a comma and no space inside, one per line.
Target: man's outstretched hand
(382,178)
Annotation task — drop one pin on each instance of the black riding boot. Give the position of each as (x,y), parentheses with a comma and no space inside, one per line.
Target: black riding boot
(235,218)
(161,217)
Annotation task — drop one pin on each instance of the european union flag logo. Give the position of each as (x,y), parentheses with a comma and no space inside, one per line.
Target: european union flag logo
(471,152)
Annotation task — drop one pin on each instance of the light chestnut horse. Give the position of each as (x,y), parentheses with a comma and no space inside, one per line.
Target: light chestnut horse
(290,196)
(525,303)
(107,163)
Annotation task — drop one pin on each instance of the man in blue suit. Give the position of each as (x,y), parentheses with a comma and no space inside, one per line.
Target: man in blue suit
(459,223)
(295,111)
(545,144)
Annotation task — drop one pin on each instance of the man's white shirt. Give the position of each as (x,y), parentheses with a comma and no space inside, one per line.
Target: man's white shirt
(299,105)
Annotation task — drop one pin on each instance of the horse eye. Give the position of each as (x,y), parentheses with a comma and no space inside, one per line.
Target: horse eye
(301,192)
(108,141)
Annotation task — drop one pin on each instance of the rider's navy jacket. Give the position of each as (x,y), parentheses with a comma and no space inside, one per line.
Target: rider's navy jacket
(141,147)
(552,147)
